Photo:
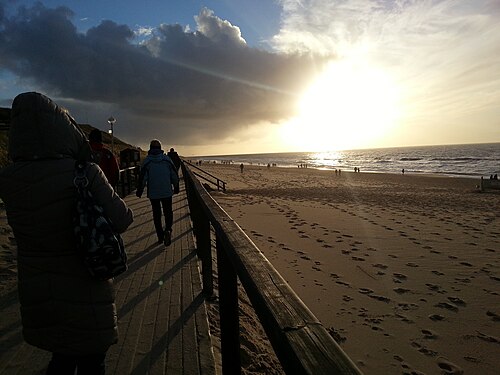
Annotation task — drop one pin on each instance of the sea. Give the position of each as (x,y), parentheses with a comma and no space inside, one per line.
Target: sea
(468,160)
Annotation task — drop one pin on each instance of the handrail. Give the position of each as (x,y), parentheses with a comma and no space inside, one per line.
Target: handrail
(219,181)
(301,343)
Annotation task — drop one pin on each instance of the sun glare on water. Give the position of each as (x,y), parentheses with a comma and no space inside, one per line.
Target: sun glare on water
(350,105)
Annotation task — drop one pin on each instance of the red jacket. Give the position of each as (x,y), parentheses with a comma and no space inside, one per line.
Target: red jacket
(107,162)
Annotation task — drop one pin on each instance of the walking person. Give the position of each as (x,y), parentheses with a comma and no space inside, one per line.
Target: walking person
(64,310)
(159,174)
(104,157)
(174,156)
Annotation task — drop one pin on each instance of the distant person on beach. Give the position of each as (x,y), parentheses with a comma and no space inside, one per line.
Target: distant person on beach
(64,310)
(403,171)
(159,174)
(174,156)
(241,167)
(104,158)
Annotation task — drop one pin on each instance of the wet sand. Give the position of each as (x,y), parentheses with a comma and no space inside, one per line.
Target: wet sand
(403,270)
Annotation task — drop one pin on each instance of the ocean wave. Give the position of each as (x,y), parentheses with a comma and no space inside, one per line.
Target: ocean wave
(459,159)
(410,159)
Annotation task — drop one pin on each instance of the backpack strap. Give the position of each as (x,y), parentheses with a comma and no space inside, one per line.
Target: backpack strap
(81,180)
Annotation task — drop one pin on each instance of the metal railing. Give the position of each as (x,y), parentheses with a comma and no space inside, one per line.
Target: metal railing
(300,341)
(204,175)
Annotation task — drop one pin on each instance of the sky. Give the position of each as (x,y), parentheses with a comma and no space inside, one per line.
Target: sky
(222,77)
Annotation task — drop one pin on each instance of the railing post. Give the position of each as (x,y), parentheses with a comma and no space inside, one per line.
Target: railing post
(228,311)
(205,251)
(201,228)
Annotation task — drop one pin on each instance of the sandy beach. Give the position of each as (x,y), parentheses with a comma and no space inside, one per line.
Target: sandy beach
(403,270)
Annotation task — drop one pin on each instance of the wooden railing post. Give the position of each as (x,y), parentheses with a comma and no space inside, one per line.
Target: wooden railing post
(228,311)
(205,251)
(201,228)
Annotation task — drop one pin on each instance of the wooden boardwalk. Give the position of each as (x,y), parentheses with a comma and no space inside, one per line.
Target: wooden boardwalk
(163,322)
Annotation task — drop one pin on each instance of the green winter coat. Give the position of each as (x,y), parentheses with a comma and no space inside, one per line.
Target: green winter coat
(63,308)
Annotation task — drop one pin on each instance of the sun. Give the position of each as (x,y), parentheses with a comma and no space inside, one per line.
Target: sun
(350,105)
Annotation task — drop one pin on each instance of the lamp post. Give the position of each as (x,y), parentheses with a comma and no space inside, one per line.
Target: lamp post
(111,122)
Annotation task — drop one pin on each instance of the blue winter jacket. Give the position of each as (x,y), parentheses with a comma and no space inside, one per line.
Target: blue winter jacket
(159,175)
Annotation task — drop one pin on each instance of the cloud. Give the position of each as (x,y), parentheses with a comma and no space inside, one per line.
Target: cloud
(445,54)
(144,31)
(196,85)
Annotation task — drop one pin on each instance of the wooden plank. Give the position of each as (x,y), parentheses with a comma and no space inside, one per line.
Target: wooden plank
(174,340)
(143,251)
(150,330)
(158,350)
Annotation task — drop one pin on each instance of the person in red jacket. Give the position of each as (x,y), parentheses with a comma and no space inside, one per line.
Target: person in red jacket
(104,158)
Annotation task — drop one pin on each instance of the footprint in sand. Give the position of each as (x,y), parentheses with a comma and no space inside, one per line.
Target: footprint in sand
(358,259)
(435,288)
(457,301)
(429,335)
(488,338)
(380,298)
(436,317)
(404,318)
(398,277)
(365,291)
(448,367)
(494,316)
(424,350)
(343,283)
(447,306)
(437,273)
(401,290)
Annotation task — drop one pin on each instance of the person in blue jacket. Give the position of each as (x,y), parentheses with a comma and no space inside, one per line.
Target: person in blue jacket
(159,174)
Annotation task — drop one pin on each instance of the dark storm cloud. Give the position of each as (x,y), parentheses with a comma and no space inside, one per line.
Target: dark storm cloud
(209,76)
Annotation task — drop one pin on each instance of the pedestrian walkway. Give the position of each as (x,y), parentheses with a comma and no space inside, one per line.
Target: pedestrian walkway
(163,322)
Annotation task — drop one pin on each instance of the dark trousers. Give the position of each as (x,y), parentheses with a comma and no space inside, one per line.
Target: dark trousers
(62,364)
(157,205)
